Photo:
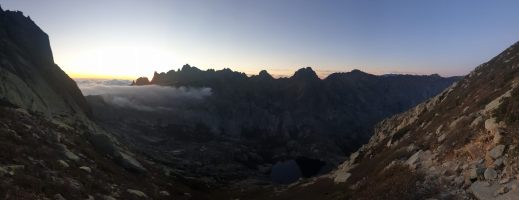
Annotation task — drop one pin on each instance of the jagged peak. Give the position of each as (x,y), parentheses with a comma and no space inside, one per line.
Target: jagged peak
(435,75)
(226,70)
(353,73)
(189,68)
(359,72)
(306,73)
(141,81)
(265,75)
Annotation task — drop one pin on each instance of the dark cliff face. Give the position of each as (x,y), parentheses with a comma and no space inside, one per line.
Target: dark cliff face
(30,79)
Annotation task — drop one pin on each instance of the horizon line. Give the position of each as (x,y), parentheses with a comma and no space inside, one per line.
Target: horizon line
(322,74)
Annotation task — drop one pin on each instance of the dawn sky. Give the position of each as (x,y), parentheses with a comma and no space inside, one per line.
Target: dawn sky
(131,38)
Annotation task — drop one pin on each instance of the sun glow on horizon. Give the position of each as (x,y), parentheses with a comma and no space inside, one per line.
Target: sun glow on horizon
(136,38)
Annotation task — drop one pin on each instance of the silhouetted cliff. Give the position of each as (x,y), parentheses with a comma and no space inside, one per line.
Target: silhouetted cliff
(29,77)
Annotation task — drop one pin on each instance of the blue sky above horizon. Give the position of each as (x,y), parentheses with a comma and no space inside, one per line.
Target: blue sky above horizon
(131,38)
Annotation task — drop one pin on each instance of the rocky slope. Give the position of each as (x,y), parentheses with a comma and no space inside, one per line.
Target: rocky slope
(461,144)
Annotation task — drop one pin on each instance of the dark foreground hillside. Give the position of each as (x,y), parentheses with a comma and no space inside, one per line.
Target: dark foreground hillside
(40,159)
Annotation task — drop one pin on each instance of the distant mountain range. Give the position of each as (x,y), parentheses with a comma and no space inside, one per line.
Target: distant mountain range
(343,104)
(266,119)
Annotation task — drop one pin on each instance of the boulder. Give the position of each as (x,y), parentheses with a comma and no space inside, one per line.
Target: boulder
(442,137)
(476,172)
(63,164)
(3,171)
(497,151)
(491,125)
(67,153)
(103,144)
(490,174)
(137,193)
(86,169)
(341,176)
(10,169)
(412,161)
(74,184)
(354,156)
(483,190)
(130,163)
(164,193)
(423,158)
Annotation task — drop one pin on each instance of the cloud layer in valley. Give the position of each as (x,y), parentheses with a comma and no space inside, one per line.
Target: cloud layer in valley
(144,98)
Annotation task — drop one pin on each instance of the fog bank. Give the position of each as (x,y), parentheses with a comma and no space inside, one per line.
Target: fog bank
(144,98)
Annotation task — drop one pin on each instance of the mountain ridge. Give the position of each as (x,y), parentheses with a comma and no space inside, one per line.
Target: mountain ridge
(302,73)
(266,120)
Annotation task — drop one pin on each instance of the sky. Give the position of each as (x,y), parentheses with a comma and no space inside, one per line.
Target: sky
(133,38)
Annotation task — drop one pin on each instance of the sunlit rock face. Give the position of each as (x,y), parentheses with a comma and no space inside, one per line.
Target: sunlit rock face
(29,77)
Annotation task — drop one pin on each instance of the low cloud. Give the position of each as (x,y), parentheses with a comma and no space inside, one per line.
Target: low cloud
(144,98)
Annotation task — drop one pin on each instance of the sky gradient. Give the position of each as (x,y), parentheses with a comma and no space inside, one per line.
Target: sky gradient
(131,38)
